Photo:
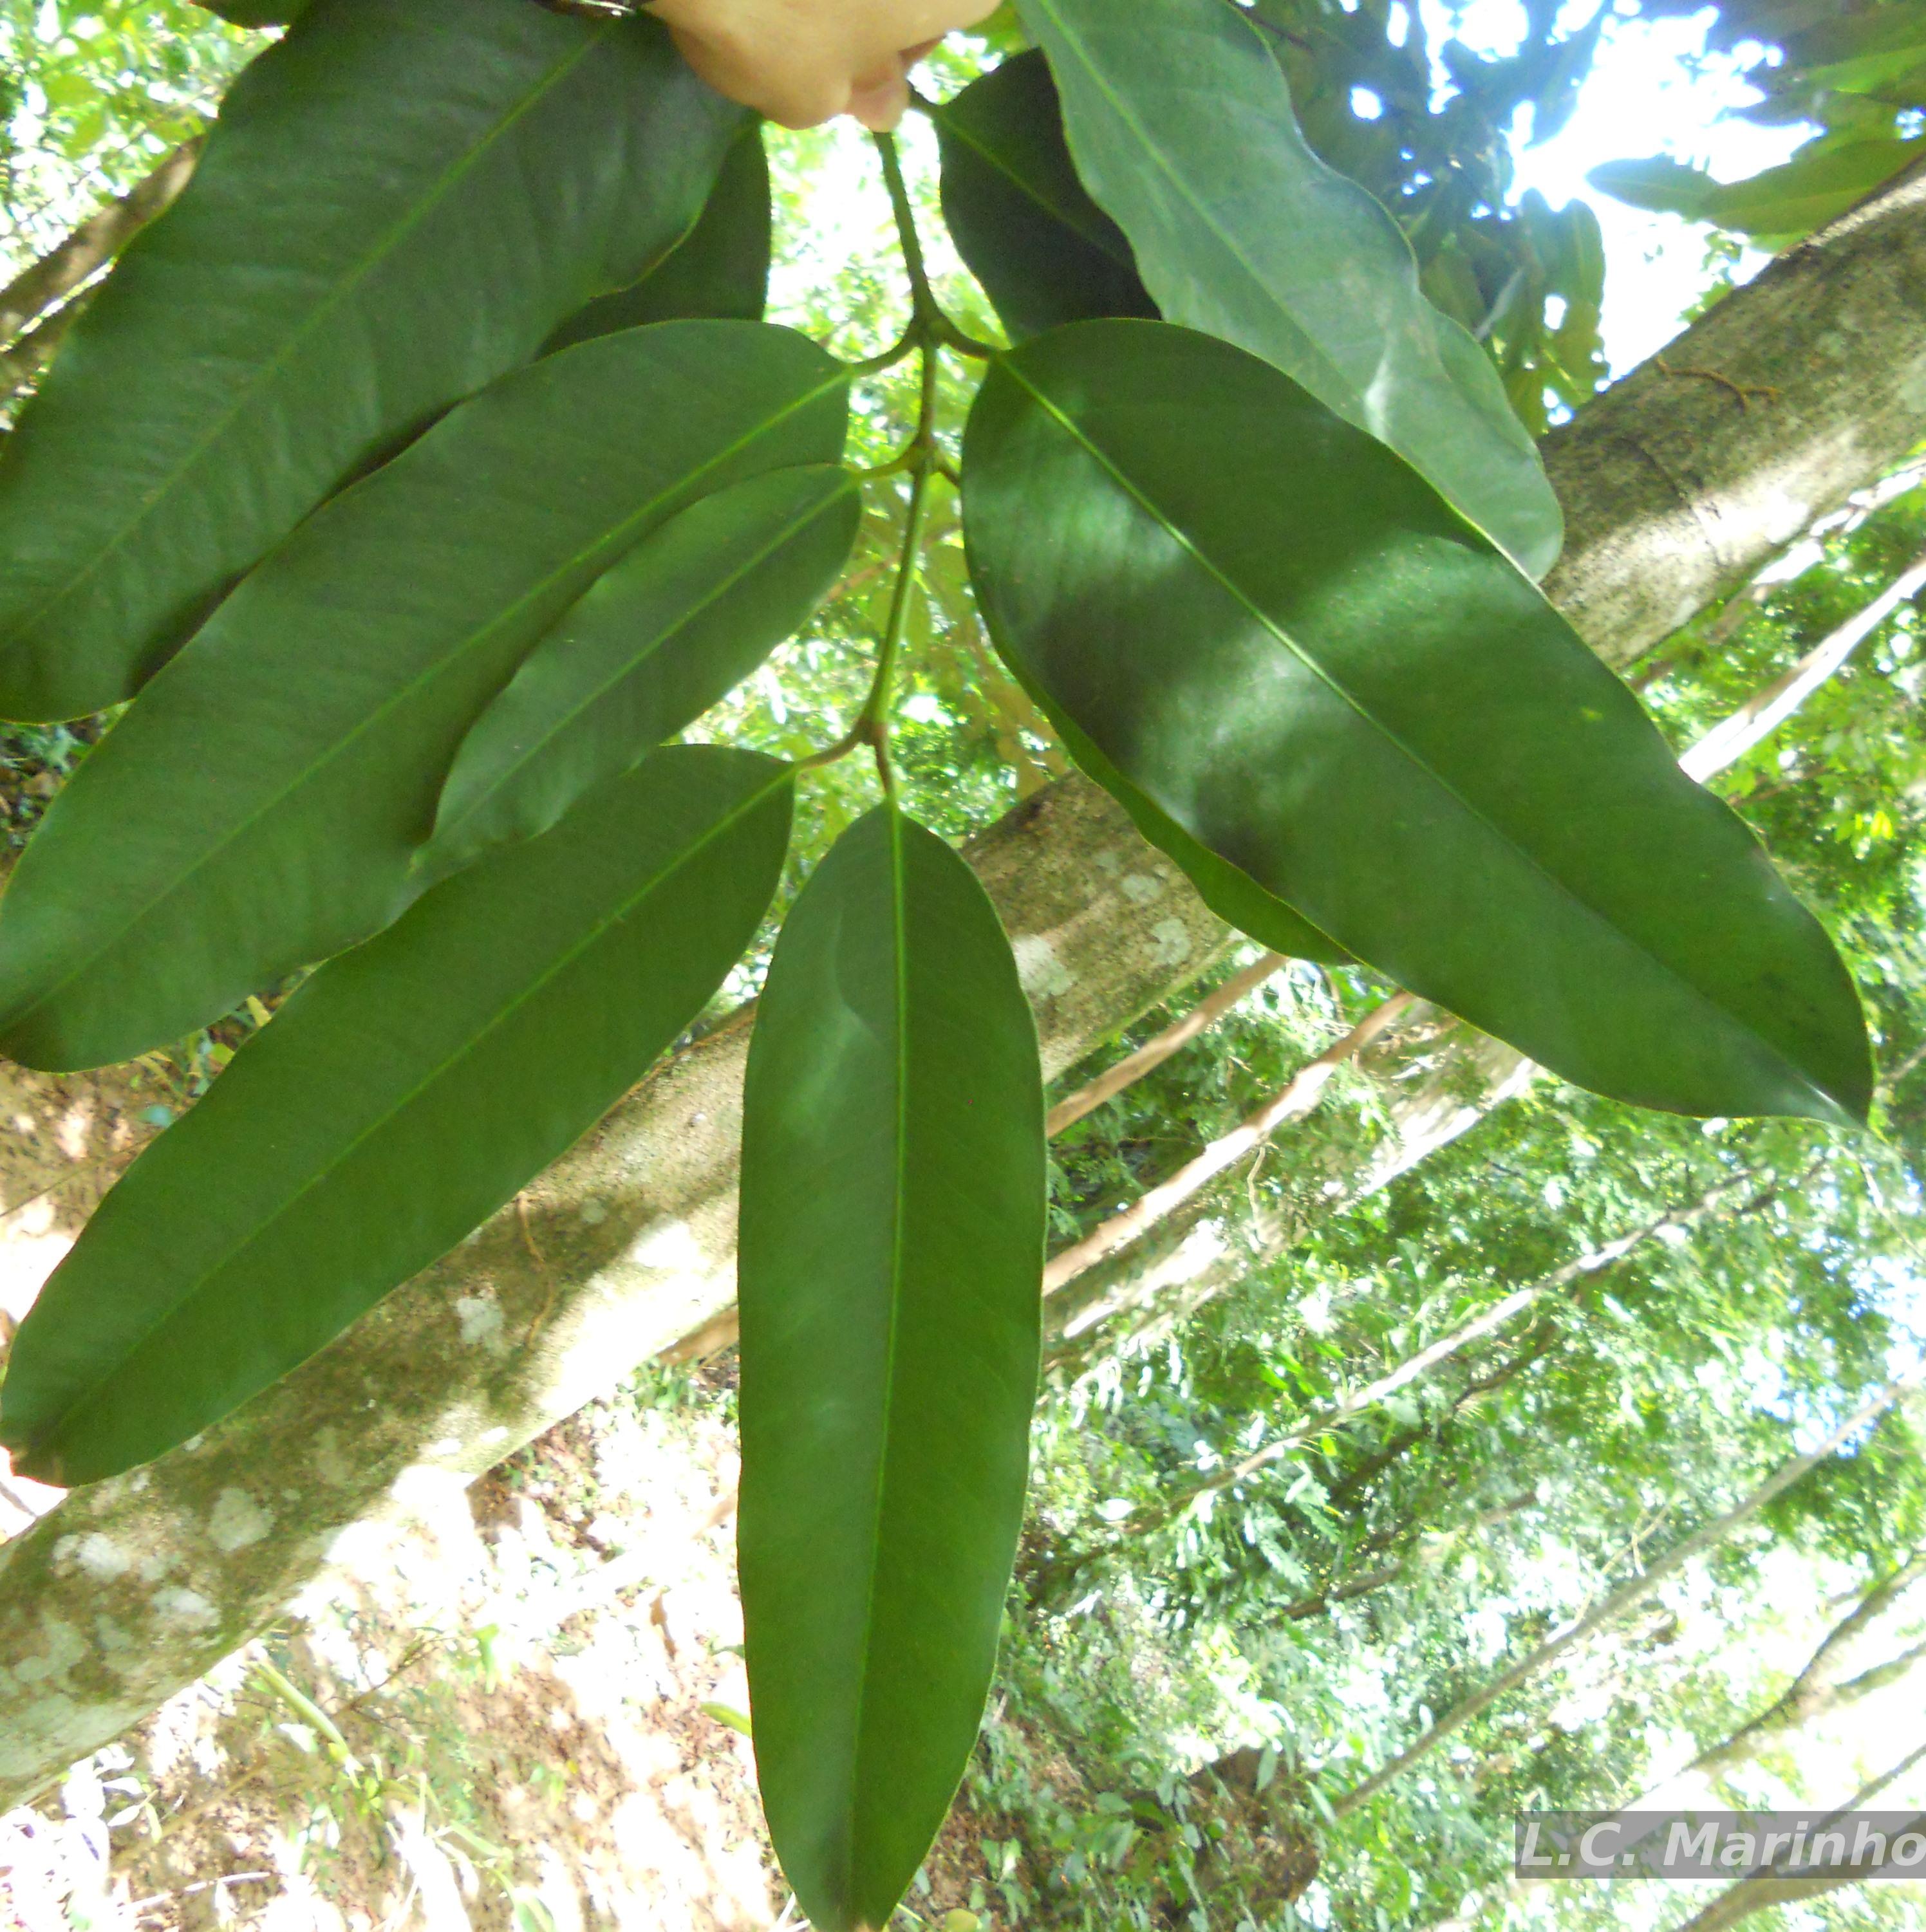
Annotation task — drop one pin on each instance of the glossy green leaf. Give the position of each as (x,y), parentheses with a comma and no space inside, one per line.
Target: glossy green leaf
(1230,893)
(1044,252)
(1784,203)
(681,620)
(719,268)
(1282,636)
(1181,125)
(401,199)
(258,808)
(400,1096)
(891,1254)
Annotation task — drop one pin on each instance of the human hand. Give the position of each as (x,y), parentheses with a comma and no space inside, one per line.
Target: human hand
(803,61)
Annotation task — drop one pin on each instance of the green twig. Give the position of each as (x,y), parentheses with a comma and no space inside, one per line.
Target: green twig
(929,332)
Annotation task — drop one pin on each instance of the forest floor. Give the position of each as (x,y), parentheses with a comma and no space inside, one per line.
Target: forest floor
(535,1713)
(524,1713)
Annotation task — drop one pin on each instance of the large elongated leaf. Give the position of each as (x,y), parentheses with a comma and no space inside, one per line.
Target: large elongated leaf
(1044,252)
(1282,635)
(258,808)
(720,267)
(401,201)
(681,620)
(401,1095)
(1182,126)
(892,1238)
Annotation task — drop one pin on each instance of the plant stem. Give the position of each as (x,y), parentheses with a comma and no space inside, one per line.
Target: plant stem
(922,296)
(929,332)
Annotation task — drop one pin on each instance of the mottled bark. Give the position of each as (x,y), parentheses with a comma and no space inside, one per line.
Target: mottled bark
(132,1589)
(1775,406)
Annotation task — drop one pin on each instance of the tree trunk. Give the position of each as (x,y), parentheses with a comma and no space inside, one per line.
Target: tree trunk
(128,1590)
(1750,426)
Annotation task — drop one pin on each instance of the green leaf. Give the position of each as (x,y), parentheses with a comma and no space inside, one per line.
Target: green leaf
(681,620)
(1044,252)
(258,808)
(1869,52)
(1230,893)
(1279,632)
(401,199)
(1782,203)
(720,268)
(891,1250)
(400,1096)
(1182,126)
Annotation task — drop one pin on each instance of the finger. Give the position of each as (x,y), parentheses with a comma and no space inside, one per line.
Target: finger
(793,98)
(879,100)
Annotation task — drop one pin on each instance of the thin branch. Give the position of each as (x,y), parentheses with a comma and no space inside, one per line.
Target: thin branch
(1811,1694)
(1610,1608)
(1766,710)
(1291,1102)
(85,252)
(1485,1323)
(1153,1053)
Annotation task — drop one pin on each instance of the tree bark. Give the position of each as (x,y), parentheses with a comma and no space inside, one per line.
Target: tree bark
(128,1590)
(63,268)
(1730,444)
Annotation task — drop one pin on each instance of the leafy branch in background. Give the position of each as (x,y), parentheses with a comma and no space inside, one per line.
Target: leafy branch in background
(1859,76)
(428,468)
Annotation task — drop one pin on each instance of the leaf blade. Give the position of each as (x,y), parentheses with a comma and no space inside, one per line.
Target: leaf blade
(1781,203)
(1228,891)
(1022,222)
(397,206)
(1183,129)
(719,270)
(399,1097)
(260,807)
(1375,716)
(891,1242)
(670,629)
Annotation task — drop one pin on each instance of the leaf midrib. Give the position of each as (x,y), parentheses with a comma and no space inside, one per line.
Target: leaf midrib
(592,937)
(1263,618)
(385,246)
(339,747)
(899,893)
